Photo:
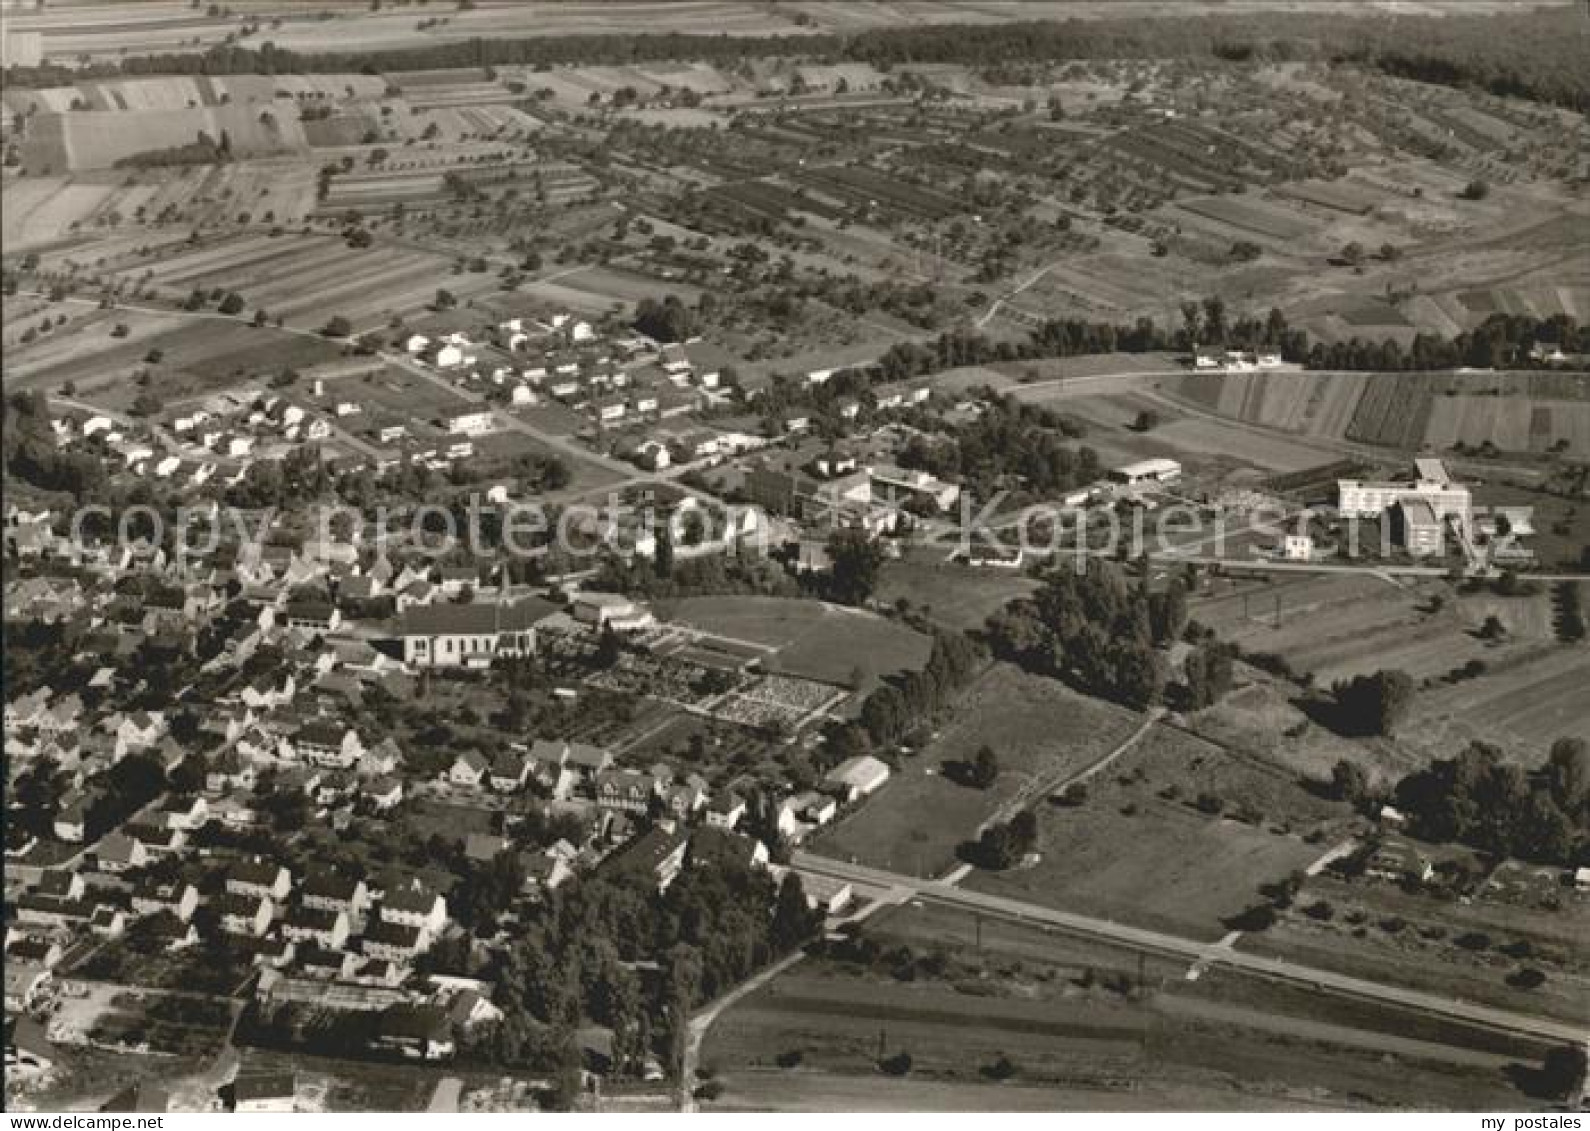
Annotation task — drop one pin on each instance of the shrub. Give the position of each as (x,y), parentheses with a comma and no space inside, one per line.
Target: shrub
(790,1058)
(1001,1069)
(897,1065)
(1527,978)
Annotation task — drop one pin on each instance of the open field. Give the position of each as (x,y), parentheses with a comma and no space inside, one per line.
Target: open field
(955,596)
(1523,703)
(826,645)
(1131,854)
(1035,725)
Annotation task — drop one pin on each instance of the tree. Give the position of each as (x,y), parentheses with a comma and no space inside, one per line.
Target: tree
(985,768)
(1374,704)
(1568,773)
(1147,420)
(444,300)
(1353,254)
(856,560)
(231,304)
(1349,782)
(1477,189)
(794,922)
(1562,1072)
(337,327)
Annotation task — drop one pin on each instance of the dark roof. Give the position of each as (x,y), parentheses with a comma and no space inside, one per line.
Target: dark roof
(415,1022)
(478,618)
(312,918)
(646,853)
(255,871)
(310,610)
(330,885)
(322,732)
(233,903)
(415,897)
(392,934)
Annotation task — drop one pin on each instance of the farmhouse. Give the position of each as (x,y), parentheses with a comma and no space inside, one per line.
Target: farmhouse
(1396,861)
(437,636)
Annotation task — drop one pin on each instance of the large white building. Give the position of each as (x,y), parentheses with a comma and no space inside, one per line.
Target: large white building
(442,636)
(1431,485)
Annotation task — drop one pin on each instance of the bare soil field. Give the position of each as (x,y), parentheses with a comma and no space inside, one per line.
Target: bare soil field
(1035,726)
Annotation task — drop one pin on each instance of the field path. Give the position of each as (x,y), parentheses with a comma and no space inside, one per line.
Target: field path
(702,1021)
(1048,783)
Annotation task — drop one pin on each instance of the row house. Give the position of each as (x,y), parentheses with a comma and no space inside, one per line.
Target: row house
(322,926)
(330,891)
(414,905)
(259,877)
(247,915)
(174,898)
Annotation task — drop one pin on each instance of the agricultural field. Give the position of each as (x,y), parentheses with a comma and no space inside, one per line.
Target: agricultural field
(196,356)
(1510,423)
(959,995)
(920,817)
(1470,947)
(1340,625)
(1143,847)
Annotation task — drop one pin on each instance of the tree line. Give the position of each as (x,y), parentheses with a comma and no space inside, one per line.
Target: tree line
(1535,55)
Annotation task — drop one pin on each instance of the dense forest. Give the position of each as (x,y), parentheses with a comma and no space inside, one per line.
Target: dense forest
(1539,55)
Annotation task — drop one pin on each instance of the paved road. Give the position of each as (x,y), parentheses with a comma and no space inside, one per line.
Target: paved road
(1194,950)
